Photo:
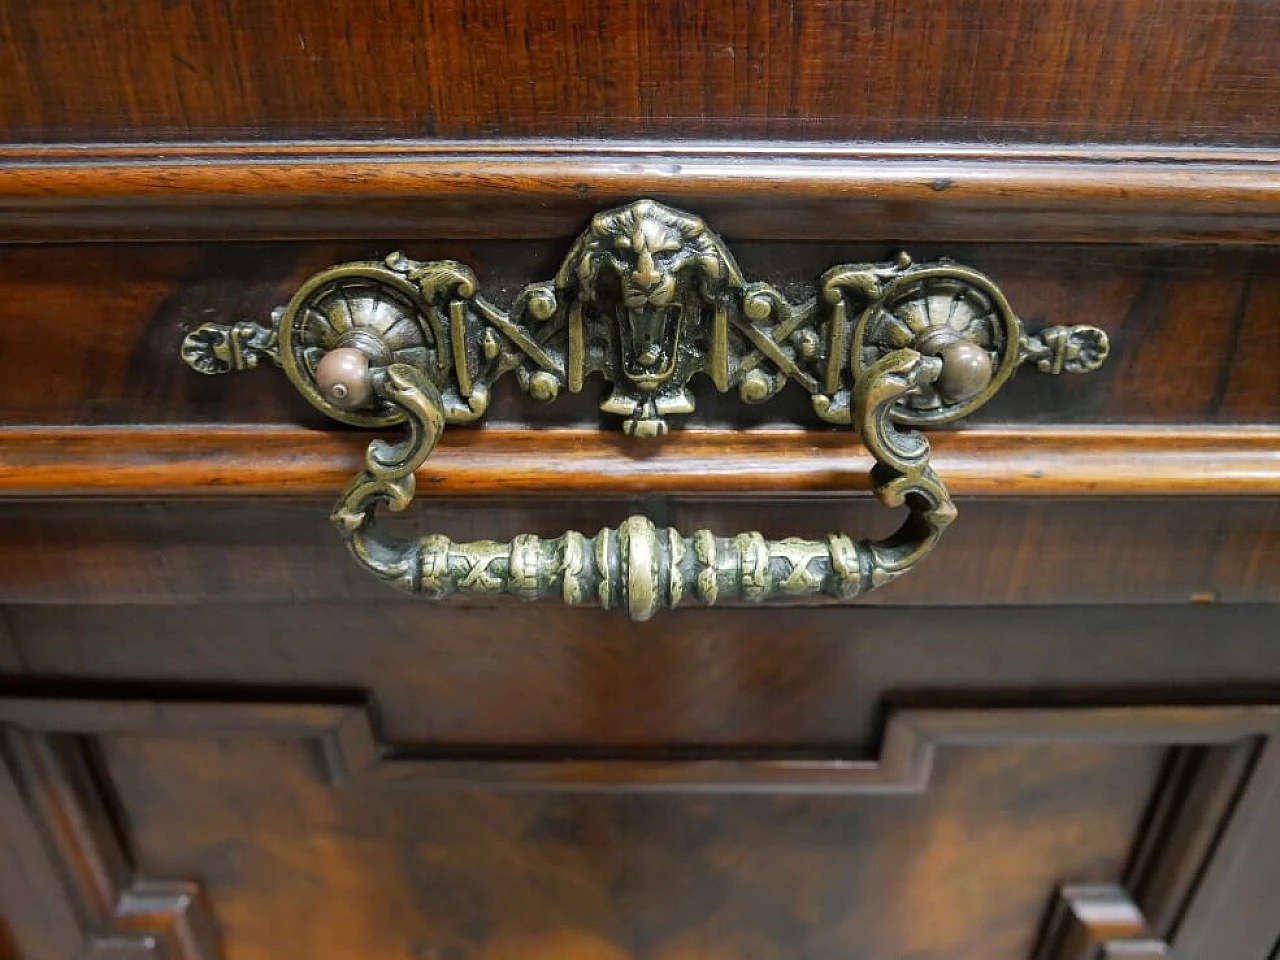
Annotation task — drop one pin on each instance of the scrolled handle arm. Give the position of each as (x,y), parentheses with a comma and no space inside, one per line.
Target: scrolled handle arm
(638,566)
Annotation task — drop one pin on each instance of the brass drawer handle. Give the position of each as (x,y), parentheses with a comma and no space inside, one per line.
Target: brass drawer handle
(637,566)
(647,297)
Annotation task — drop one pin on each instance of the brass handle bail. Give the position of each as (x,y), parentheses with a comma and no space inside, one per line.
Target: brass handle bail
(637,566)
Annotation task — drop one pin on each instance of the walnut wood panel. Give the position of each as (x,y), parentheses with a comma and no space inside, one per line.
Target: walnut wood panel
(550,188)
(262,462)
(1042,551)
(73,892)
(91,334)
(1027,70)
(496,680)
(36,917)
(295,868)
(1031,794)
(1240,865)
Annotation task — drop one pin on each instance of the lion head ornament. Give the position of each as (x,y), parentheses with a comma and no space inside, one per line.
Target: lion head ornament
(646,279)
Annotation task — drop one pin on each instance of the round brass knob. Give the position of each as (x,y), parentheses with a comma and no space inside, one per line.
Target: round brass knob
(342,377)
(966,371)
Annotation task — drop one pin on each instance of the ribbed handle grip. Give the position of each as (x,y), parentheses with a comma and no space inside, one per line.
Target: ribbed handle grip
(637,566)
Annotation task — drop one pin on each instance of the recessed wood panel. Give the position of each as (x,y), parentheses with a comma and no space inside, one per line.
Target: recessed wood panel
(310,834)
(301,870)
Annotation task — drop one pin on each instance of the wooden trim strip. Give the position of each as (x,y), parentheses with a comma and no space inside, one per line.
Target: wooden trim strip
(289,462)
(517,190)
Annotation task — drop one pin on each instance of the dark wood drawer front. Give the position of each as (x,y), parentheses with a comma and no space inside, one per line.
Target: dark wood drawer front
(278,830)
(1191,330)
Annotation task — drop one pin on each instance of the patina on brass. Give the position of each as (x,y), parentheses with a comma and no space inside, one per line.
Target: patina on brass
(646,298)
(637,566)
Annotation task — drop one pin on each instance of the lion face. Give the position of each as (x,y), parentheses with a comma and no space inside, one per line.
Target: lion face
(651,309)
(667,267)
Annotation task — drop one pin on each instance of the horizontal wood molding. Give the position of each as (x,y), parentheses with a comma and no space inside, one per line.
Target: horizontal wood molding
(539,189)
(350,748)
(290,462)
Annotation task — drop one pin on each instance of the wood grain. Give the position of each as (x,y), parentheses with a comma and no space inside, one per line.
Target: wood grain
(536,190)
(943,768)
(90,904)
(999,552)
(263,462)
(40,920)
(1029,70)
(1043,551)
(91,334)
(761,682)
(399,870)
(1239,860)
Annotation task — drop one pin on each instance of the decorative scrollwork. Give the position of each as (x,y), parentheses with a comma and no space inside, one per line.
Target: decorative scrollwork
(1077,349)
(647,298)
(222,347)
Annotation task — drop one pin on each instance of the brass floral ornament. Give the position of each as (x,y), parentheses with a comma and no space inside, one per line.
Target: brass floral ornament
(647,298)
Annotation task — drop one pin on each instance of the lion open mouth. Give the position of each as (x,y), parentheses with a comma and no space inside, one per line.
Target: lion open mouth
(650,350)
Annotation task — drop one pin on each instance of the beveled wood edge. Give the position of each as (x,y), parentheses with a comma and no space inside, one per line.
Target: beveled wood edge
(1097,921)
(86,872)
(285,462)
(351,748)
(534,189)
